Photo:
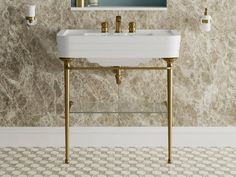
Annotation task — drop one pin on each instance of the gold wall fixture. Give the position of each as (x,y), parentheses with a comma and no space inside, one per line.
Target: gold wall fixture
(204,21)
(31,15)
(30,19)
(206,11)
(118,72)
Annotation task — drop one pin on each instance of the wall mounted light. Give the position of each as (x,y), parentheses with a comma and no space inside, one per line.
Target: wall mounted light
(30,15)
(205,22)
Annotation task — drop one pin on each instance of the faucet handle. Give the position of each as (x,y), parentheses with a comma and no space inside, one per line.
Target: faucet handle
(104,27)
(118,18)
(132,27)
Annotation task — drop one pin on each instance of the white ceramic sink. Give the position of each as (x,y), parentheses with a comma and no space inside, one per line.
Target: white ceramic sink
(119,34)
(123,49)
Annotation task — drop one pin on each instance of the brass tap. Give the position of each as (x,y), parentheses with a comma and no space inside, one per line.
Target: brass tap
(132,27)
(104,27)
(118,24)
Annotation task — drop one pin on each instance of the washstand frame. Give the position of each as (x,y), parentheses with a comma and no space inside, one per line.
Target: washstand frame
(117,69)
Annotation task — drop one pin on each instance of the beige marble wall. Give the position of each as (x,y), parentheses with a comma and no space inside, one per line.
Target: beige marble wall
(31,77)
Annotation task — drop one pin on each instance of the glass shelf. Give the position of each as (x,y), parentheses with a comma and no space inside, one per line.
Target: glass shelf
(121,108)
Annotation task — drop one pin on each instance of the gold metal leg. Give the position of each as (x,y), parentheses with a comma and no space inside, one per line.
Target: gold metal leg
(169,107)
(67,107)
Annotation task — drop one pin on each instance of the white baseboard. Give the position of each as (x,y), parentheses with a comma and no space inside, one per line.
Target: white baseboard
(118,136)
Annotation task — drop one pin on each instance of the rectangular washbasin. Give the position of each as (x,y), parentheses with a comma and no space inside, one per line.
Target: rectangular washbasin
(118,34)
(118,48)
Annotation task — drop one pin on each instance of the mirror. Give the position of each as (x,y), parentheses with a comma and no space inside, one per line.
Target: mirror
(122,3)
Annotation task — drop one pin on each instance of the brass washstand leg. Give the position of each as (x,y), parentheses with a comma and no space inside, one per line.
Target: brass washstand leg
(169,106)
(67,107)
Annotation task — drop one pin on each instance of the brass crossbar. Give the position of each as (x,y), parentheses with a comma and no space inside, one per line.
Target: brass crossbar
(117,67)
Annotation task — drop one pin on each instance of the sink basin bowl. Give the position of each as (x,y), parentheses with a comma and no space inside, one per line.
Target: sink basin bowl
(118,48)
(118,34)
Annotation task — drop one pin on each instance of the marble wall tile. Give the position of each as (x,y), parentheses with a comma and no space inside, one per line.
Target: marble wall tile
(31,77)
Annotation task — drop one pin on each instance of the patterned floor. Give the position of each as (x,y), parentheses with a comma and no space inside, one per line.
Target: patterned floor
(118,162)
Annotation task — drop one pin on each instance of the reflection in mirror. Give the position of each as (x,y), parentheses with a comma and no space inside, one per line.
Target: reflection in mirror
(123,3)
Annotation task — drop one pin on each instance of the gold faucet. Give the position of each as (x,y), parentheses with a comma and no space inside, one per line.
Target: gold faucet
(118,24)
(104,27)
(132,27)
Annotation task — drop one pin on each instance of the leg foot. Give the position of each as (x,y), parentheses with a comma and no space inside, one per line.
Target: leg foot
(169,161)
(67,161)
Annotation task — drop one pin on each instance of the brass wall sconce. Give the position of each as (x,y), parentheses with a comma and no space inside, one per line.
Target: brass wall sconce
(30,15)
(205,22)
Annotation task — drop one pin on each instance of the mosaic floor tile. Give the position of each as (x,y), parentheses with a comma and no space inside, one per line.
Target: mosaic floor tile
(118,162)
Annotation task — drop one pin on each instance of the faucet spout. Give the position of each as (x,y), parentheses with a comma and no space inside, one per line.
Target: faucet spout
(118,24)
